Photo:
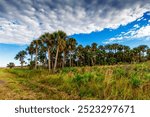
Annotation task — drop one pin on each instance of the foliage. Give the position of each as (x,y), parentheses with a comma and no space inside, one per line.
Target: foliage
(20,56)
(57,50)
(11,65)
(97,82)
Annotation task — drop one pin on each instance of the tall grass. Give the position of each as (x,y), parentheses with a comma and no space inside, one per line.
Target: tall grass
(97,82)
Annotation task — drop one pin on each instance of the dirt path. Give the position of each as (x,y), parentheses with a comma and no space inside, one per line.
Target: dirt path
(16,88)
(11,89)
(2,82)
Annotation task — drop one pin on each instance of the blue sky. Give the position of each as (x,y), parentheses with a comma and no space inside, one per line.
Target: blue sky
(107,35)
(8,52)
(104,22)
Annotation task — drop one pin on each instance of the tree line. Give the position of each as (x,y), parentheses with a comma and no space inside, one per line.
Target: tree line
(57,50)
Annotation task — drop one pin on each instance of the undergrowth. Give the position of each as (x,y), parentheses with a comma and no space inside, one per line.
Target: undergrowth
(97,82)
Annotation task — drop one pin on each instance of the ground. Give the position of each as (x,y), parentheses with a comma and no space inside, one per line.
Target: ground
(11,89)
(97,82)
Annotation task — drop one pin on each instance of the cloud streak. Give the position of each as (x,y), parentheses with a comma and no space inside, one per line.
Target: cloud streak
(23,20)
(135,33)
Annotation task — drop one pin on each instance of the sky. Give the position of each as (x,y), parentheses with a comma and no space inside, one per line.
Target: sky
(102,21)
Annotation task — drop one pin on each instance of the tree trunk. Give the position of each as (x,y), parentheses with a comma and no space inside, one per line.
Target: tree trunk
(70,59)
(139,56)
(92,63)
(77,63)
(56,59)
(21,64)
(49,59)
(64,60)
(36,58)
(31,57)
(52,61)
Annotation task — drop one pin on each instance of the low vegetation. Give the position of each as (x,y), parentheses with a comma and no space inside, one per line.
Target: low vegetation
(11,65)
(128,81)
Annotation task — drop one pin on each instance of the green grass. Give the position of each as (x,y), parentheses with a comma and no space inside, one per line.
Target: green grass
(126,82)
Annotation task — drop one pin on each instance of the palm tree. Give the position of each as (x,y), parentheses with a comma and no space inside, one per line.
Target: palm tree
(101,47)
(71,44)
(79,54)
(94,50)
(126,50)
(20,56)
(135,54)
(115,47)
(64,56)
(108,47)
(142,49)
(31,50)
(42,54)
(11,65)
(60,41)
(36,44)
(88,55)
(148,54)
(48,39)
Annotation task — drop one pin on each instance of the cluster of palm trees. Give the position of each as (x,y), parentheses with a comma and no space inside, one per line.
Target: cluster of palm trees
(57,50)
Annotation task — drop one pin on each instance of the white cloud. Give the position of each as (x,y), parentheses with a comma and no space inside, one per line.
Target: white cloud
(141,33)
(136,26)
(69,15)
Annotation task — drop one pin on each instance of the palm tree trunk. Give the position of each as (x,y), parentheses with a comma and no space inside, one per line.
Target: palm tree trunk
(49,59)
(36,58)
(139,56)
(70,59)
(64,61)
(52,62)
(31,57)
(21,62)
(21,65)
(92,63)
(56,59)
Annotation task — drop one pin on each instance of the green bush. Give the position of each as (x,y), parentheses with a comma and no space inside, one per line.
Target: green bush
(11,65)
(147,76)
(69,69)
(135,81)
(99,77)
(120,73)
(52,80)
(82,79)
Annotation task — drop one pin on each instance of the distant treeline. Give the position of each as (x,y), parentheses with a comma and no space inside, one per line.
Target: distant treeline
(57,50)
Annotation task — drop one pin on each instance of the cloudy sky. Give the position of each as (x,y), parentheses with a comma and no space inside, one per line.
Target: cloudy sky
(102,21)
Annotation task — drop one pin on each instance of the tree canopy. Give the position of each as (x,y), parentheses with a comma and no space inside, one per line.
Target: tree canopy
(57,50)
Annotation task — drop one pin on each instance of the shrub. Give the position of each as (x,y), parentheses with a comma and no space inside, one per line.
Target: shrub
(32,64)
(69,69)
(135,81)
(99,77)
(120,72)
(11,65)
(82,79)
(147,76)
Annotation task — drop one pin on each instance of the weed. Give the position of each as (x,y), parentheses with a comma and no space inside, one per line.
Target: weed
(135,81)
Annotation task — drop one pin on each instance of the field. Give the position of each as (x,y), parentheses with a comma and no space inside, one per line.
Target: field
(126,82)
